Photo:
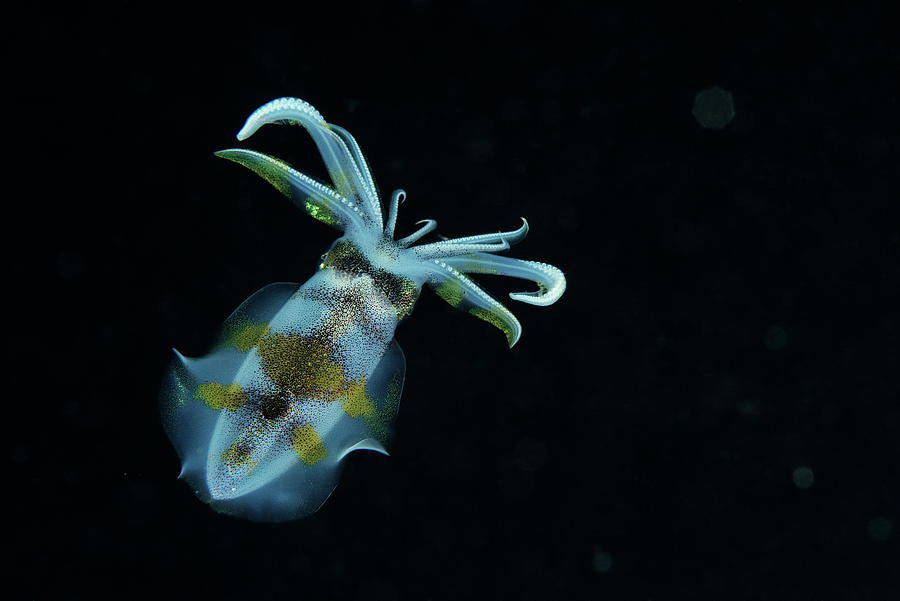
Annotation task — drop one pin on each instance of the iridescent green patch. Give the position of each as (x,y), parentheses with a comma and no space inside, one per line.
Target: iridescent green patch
(495,320)
(269,168)
(451,291)
(319,212)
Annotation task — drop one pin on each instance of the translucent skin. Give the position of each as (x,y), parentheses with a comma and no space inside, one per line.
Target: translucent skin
(304,375)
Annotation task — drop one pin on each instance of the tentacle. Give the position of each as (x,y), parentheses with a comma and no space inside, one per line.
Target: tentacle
(397,197)
(358,156)
(351,179)
(513,237)
(454,287)
(550,280)
(449,248)
(312,196)
(430,225)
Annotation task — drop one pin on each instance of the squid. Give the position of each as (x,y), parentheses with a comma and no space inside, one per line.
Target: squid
(303,375)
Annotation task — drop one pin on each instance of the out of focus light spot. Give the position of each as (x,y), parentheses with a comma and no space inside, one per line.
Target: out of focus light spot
(880,528)
(602,560)
(776,338)
(748,407)
(481,150)
(803,477)
(713,108)
(531,454)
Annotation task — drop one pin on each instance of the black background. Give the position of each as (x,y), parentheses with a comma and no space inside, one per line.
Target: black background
(731,313)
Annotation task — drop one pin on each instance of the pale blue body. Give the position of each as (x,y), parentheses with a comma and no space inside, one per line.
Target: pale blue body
(303,375)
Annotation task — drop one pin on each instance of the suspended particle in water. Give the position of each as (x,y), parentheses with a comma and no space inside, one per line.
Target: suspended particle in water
(776,338)
(713,108)
(880,528)
(803,477)
(602,560)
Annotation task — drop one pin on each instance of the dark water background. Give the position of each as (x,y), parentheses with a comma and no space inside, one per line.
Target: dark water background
(711,411)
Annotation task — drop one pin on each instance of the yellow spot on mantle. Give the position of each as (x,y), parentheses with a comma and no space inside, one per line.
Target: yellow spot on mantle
(220,397)
(379,422)
(358,402)
(246,335)
(237,455)
(302,366)
(307,444)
